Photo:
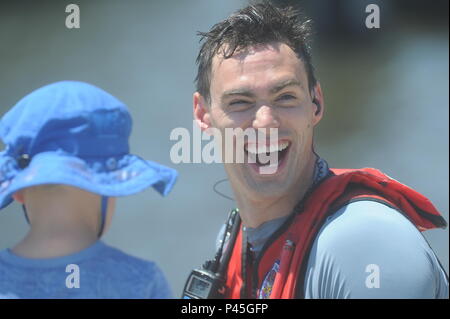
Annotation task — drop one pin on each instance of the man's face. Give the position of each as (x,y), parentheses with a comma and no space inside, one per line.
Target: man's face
(264,87)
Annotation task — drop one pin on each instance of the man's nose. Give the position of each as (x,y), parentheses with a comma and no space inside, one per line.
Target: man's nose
(266,117)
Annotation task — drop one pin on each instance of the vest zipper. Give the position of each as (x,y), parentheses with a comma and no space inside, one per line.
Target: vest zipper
(275,235)
(298,209)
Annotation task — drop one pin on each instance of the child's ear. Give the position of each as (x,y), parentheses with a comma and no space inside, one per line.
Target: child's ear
(18,196)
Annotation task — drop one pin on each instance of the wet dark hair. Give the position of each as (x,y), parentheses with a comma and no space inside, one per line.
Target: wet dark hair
(257,24)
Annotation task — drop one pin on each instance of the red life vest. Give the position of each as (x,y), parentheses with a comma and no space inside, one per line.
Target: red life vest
(290,245)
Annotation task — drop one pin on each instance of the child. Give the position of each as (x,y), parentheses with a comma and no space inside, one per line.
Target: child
(66,159)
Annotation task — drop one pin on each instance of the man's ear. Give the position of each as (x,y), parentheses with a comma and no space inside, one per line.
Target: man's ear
(201,112)
(318,100)
(18,196)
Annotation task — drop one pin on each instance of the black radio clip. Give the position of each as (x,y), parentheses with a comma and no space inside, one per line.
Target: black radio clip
(209,281)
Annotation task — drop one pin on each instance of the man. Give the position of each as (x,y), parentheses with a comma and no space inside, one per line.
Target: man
(306,231)
(66,159)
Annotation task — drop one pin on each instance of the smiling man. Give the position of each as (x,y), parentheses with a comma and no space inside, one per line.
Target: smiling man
(303,230)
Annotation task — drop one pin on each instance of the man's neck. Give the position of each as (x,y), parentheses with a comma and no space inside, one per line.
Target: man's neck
(255,212)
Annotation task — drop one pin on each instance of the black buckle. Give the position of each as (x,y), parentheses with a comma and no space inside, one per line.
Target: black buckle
(23,160)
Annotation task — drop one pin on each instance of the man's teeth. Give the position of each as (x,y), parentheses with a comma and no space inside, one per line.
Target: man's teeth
(263,149)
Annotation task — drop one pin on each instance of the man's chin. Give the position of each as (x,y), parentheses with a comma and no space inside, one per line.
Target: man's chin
(265,182)
(267,188)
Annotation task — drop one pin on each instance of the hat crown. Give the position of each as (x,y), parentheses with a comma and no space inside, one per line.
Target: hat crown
(74,117)
(74,133)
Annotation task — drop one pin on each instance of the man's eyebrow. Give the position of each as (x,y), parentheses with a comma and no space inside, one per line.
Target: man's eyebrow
(283,84)
(241,92)
(248,92)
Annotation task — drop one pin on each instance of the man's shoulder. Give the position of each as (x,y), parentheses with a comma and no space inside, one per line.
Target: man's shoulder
(367,237)
(369,226)
(366,217)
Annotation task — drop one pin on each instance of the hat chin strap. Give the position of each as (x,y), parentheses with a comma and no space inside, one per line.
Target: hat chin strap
(25,214)
(104,209)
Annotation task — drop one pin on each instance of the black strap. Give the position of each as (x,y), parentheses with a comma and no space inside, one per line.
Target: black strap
(235,226)
(25,214)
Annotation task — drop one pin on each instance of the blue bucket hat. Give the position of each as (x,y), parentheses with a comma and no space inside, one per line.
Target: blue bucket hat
(76,134)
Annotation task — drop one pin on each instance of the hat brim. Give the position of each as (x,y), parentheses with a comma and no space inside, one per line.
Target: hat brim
(123,176)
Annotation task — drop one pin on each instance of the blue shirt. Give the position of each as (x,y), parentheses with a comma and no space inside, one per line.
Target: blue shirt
(99,271)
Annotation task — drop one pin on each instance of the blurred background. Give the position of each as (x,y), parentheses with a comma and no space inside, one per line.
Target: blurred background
(386,98)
